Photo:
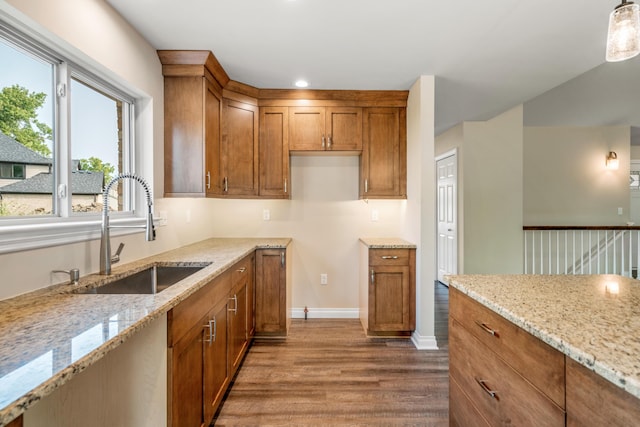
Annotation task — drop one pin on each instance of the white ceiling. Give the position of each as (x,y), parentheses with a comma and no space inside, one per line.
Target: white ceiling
(487,56)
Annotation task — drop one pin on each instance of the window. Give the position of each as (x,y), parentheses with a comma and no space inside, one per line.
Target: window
(11,171)
(65,131)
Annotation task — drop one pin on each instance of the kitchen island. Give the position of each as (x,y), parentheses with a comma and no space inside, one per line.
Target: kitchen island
(571,344)
(51,335)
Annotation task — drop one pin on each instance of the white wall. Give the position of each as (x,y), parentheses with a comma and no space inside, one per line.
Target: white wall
(420,225)
(565,179)
(490,195)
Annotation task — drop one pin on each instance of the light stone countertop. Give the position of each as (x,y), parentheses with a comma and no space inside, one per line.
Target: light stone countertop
(593,319)
(386,243)
(46,335)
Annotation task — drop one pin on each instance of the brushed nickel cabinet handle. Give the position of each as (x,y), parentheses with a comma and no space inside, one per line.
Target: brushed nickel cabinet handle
(366,185)
(285,185)
(373,276)
(282,259)
(487,329)
(225,182)
(208,179)
(389,257)
(235,305)
(329,141)
(215,328)
(242,270)
(208,325)
(323,141)
(486,389)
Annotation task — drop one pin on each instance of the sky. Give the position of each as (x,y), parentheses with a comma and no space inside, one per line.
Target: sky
(93,115)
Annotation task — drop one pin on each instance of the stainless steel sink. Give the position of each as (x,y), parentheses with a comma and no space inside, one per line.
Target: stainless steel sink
(150,281)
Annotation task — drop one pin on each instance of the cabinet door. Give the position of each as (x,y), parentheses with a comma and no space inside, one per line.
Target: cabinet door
(237,327)
(344,128)
(213,164)
(239,149)
(274,152)
(215,361)
(384,154)
(183,136)
(186,359)
(307,128)
(271,303)
(389,298)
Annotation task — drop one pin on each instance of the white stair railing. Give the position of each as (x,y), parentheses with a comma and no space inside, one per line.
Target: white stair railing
(581,250)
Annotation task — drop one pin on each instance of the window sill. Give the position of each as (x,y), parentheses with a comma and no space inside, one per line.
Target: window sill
(21,237)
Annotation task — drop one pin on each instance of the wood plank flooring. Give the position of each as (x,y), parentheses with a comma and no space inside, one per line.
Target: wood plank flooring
(328,373)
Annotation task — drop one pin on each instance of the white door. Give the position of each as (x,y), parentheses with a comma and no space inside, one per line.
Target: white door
(447,217)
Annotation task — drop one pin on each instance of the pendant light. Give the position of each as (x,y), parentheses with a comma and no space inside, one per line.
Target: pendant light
(623,38)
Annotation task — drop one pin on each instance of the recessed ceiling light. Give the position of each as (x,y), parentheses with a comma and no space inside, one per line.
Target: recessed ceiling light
(301,83)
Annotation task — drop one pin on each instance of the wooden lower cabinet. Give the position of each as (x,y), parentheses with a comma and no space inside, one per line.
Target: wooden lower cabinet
(499,374)
(594,401)
(387,291)
(208,335)
(273,293)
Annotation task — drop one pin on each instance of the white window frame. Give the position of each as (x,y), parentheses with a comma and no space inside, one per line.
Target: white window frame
(17,234)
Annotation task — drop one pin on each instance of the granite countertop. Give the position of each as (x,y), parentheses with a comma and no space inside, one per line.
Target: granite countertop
(387,243)
(49,335)
(593,319)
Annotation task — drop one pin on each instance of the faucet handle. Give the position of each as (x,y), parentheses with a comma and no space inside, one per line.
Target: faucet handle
(74,275)
(116,257)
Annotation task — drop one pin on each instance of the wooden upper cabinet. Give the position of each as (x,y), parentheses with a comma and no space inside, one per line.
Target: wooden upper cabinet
(383,165)
(274,152)
(306,129)
(239,149)
(193,82)
(213,164)
(325,128)
(344,128)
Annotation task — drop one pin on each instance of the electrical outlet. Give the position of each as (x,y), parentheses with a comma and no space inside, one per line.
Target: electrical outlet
(323,279)
(266,214)
(619,211)
(374,215)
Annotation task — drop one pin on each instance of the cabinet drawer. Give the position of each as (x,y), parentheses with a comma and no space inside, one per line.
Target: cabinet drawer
(183,316)
(501,395)
(388,256)
(594,401)
(535,360)
(241,270)
(462,413)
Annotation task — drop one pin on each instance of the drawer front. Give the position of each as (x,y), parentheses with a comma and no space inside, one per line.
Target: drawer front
(462,413)
(388,256)
(535,360)
(501,395)
(594,401)
(241,270)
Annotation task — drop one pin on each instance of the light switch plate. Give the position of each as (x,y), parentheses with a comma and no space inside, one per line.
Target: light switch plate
(266,214)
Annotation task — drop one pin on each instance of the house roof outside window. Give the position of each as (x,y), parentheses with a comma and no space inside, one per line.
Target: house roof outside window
(11,151)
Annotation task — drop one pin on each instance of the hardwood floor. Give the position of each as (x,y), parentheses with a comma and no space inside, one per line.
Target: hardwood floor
(328,373)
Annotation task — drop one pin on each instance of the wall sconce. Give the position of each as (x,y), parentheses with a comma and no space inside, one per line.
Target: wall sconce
(623,37)
(612,161)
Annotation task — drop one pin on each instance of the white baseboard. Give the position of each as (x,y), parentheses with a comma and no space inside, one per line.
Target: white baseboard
(424,342)
(326,313)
